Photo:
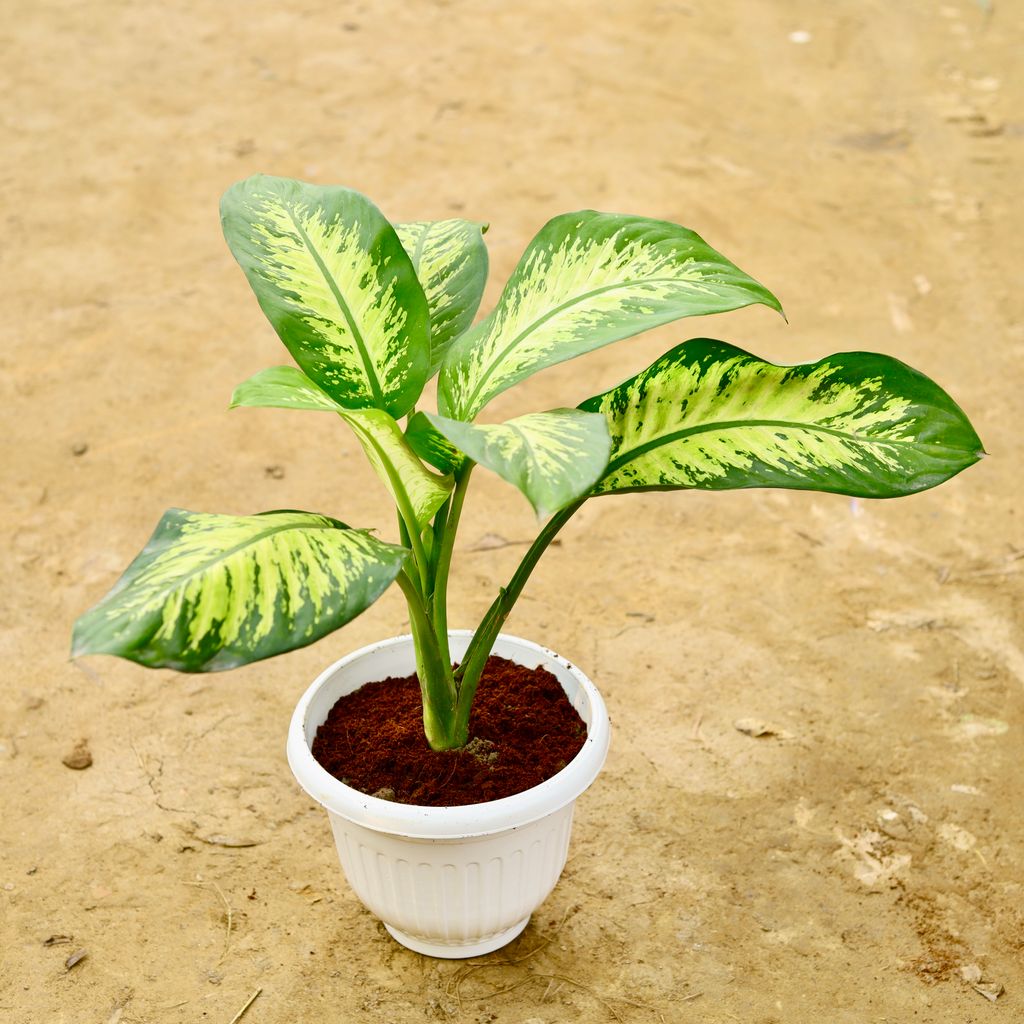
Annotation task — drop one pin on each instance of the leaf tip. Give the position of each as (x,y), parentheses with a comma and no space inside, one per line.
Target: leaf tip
(79,644)
(772,302)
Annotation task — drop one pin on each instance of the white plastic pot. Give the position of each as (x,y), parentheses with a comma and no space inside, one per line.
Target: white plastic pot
(449,881)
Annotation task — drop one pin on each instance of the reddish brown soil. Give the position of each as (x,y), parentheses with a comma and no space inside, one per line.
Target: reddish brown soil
(522,731)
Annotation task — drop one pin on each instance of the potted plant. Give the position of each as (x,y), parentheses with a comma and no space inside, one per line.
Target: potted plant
(370,312)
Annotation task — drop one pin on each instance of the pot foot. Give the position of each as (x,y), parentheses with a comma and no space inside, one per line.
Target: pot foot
(458,950)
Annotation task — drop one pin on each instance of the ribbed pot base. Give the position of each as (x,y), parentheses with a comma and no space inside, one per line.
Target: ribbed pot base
(458,950)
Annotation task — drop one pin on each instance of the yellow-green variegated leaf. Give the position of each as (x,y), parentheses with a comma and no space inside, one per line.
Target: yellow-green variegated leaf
(553,457)
(333,278)
(709,415)
(451,262)
(417,491)
(283,387)
(211,592)
(586,280)
(431,445)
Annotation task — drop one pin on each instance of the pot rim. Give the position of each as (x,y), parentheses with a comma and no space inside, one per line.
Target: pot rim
(450,823)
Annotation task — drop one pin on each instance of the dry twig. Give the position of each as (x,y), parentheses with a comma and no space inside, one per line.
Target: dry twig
(227,908)
(252,999)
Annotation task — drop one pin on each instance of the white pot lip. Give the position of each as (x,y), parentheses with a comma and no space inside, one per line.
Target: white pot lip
(462,822)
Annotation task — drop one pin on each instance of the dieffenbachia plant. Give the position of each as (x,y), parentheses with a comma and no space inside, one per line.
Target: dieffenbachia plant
(370,311)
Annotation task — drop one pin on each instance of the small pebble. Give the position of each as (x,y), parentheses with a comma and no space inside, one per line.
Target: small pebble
(79,758)
(76,958)
(971,973)
(800,36)
(991,990)
(79,448)
(274,472)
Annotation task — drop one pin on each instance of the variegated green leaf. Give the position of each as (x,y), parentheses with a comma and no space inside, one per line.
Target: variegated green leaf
(552,457)
(417,492)
(709,415)
(282,387)
(586,280)
(333,278)
(451,262)
(211,592)
(431,446)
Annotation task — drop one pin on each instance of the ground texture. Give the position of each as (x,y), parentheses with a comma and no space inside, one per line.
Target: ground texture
(860,158)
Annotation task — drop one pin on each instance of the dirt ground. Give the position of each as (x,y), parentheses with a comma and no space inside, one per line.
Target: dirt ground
(860,158)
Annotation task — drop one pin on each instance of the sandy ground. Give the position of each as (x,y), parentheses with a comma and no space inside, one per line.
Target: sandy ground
(858,157)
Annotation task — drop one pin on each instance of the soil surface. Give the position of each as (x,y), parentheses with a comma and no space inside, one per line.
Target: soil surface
(522,730)
(813,808)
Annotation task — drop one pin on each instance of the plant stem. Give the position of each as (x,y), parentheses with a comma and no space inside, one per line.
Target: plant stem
(444,558)
(468,674)
(419,555)
(409,536)
(437,528)
(403,533)
(437,686)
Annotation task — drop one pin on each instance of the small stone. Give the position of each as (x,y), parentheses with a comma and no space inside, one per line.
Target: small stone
(917,814)
(892,824)
(800,36)
(384,793)
(971,973)
(757,728)
(79,758)
(76,958)
(957,837)
(274,472)
(79,448)
(991,990)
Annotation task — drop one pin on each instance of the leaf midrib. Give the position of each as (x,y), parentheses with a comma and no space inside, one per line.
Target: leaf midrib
(677,435)
(549,315)
(420,245)
(401,494)
(368,368)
